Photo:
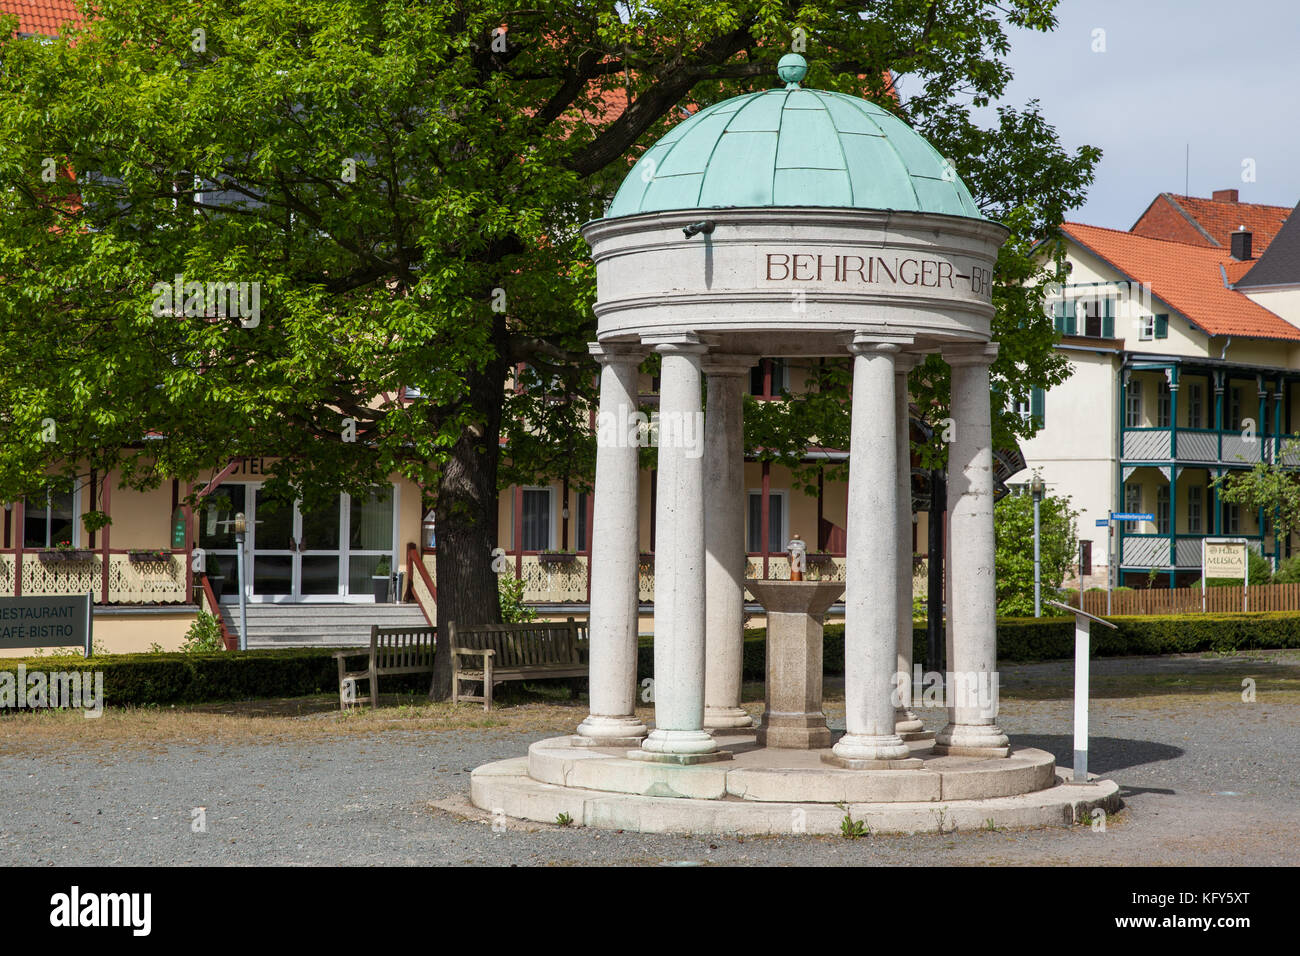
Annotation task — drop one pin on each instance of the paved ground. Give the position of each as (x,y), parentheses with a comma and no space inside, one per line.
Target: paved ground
(1207,779)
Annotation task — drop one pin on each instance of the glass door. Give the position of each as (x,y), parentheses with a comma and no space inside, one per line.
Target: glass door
(329,555)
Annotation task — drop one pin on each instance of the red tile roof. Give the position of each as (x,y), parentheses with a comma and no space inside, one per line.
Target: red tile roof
(1209,222)
(1188,278)
(41,16)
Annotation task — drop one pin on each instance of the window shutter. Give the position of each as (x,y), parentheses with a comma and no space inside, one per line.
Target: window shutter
(1037,403)
(1069,317)
(1108,318)
(1162,326)
(1058,315)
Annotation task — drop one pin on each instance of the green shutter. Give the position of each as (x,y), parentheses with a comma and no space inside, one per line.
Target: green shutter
(1108,318)
(1058,315)
(1037,403)
(1069,316)
(1162,326)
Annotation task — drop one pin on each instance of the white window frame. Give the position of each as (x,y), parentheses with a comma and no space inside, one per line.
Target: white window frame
(1133,505)
(1147,328)
(76,520)
(1195,504)
(1133,395)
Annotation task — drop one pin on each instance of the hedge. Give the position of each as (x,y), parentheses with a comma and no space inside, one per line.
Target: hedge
(175,678)
(1052,638)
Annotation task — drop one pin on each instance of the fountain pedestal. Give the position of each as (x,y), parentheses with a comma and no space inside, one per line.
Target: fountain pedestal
(793,717)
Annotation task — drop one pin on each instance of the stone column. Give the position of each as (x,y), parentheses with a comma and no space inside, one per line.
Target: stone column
(870,606)
(906,723)
(679,561)
(724,541)
(972,610)
(613,621)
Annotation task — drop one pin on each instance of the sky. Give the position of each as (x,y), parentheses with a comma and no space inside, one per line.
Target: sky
(1222,76)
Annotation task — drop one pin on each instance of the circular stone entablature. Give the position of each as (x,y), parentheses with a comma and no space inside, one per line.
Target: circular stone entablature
(777,222)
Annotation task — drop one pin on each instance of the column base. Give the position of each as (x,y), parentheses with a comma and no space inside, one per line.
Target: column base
(907,723)
(972,740)
(794,738)
(849,763)
(610,732)
(727,718)
(679,759)
(688,742)
(872,747)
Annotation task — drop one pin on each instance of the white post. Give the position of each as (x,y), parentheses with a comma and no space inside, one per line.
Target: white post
(1081,625)
(613,620)
(724,541)
(972,728)
(870,606)
(679,559)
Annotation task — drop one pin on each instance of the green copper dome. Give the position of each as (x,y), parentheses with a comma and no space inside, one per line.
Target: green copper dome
(793,147)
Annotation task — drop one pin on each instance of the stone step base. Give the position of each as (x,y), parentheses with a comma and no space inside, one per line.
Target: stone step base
(505,787)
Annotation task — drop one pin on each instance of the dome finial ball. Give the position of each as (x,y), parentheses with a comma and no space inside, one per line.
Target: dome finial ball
(792,68)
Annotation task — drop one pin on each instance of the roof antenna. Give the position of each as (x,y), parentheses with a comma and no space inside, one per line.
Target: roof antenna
(1187,162)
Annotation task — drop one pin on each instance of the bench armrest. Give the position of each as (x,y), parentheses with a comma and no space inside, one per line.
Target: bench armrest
(471,651)
(343,655)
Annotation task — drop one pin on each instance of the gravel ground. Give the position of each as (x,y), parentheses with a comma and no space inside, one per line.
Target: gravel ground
(1207,780)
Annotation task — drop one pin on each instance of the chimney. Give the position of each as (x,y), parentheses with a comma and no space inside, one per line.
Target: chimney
(1241,244)
(1224,195)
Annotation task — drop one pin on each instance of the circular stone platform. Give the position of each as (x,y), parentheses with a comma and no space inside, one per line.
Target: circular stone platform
(768,791)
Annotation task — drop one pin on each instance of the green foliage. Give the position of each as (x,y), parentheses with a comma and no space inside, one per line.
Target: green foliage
(1289,571)
(851,829)
(204,635)
(1013,521)
(407,194)
(513,608)
(563,820)
(1272,486)
(182,678)
(383,569)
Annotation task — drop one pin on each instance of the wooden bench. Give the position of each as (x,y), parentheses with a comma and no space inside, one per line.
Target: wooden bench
(506,652)
(393,650)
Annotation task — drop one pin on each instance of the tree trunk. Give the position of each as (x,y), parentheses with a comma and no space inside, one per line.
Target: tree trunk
(466,519)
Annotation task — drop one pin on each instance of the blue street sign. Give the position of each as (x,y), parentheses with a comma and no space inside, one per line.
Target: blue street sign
(1102,522)
(1133,516)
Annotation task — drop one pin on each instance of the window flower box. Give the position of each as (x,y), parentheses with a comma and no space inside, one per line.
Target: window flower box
(64,555)
(155,556)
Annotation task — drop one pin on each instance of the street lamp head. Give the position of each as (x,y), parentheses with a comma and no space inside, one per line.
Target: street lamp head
(1037,486)
(241,523)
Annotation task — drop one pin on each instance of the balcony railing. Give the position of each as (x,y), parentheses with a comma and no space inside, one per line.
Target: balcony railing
(1152,550)
(1205,446)
(127,581)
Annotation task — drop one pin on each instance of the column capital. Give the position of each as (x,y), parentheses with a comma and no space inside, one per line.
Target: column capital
(617,353)
(862,341)
(677,343)
(904,362)
(970,353)
(727,364)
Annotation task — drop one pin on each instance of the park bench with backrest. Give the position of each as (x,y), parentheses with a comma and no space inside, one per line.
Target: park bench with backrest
(393,650)
(494,653)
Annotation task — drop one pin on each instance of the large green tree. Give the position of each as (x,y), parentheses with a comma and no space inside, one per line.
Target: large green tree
(404,181)
(1013,523)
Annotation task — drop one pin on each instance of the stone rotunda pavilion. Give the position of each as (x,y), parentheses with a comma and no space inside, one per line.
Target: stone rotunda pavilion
(798,223)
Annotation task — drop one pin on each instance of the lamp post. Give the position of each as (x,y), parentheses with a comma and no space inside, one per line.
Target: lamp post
(241,527)
(1036,487)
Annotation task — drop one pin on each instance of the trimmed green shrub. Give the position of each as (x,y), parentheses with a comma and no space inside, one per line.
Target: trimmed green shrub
(179,678)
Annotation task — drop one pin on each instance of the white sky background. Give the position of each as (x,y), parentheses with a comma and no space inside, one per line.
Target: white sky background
(1222,75)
